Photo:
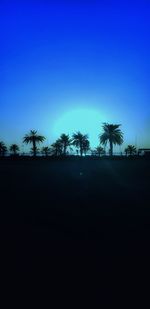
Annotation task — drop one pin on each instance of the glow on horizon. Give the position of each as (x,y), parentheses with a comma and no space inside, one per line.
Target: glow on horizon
(60,58)
(86,120)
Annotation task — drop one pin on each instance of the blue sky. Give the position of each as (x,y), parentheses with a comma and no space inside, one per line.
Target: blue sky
(58,58)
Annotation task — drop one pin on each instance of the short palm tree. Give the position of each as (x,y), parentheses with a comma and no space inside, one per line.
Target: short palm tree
(14,148)
(33,138)
(93,152)
(57,148)
(65,141)
(46,151)
(131,150)
(3,149)
(80,141)
(112,134)
(100,151)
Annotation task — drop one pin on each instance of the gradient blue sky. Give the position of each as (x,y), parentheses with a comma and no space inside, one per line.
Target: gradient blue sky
(58,58)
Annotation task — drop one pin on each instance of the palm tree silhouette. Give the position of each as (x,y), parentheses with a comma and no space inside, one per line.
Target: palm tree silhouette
(111,134)
(65,141)
(33,139)
(46,151)
(86,146)
(14,148)
(80,141)
(3,149)
(131,150)
(100,151)
(57,148)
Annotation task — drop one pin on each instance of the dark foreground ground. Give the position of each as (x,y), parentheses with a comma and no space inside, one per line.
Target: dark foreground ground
(78,224)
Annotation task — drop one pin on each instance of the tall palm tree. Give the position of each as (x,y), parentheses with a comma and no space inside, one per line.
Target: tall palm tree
(80,140)
(57,148)
(33,139)
(3,149)
(112,134)
(46,151)
(14,148)
(65,141)
(131,150)
(100,151)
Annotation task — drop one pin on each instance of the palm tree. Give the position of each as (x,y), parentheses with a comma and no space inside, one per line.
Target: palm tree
(65,141)
(86,146)
(14,148)
(111,134)
(57,148)
(3,149)
(33,139)
(80,141)
(93,152)
(100,151)
(131,150)
(46,151)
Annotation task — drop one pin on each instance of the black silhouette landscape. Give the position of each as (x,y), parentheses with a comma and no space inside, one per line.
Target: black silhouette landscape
(74,212)
(75,153)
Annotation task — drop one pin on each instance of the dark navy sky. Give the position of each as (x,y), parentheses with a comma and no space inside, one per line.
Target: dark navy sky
(59,57)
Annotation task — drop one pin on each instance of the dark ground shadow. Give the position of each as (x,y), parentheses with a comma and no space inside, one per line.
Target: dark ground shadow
(78,224)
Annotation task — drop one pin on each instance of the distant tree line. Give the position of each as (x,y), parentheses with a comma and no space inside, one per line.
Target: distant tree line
(111,135)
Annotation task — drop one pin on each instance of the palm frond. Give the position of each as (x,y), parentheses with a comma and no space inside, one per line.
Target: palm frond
(32,136)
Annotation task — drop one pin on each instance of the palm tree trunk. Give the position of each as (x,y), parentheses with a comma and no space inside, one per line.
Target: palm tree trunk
(81,151)
(65,150)
(111,147)
(34,148)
